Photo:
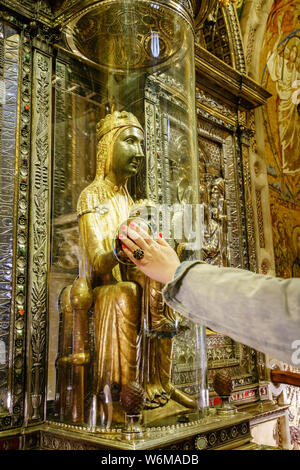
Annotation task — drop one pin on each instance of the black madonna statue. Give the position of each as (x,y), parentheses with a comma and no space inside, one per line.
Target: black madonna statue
(132,327)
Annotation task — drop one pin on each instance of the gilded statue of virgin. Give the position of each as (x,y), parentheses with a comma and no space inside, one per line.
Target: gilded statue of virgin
(132,327)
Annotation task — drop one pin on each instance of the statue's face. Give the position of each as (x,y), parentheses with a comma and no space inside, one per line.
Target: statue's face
(128,152)
(215,192)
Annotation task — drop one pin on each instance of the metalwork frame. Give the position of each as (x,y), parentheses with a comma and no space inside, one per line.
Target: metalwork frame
(29,316)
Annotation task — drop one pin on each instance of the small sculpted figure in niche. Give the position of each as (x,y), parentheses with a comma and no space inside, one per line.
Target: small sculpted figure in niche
(215,234)
(133,328)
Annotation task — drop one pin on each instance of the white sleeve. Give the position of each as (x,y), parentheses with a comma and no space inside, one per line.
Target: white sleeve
(274,64)
(257,310)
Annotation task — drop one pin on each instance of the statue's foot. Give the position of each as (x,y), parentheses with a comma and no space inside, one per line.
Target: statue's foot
(182,398)
(162,399)
(157,401)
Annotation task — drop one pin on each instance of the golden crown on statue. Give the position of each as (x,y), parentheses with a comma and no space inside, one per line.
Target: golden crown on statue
(116,120)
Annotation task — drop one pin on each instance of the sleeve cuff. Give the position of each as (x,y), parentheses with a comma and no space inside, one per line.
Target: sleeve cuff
(171,289)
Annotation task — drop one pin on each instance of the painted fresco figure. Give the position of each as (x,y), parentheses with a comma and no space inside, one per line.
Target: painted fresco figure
(284,71)
(283,253)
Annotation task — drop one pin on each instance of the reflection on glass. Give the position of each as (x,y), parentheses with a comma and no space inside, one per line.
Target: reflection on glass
(124,147)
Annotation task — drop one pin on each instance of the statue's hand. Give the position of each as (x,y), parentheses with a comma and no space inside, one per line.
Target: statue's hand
(122,256)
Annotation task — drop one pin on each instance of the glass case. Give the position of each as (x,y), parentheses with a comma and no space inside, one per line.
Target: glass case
(124,147)
(98,128)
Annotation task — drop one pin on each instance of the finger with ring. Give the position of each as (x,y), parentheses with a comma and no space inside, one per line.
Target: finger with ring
(138,254)
(128,243)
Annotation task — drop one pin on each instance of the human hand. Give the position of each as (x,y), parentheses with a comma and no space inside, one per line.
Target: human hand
(159,262)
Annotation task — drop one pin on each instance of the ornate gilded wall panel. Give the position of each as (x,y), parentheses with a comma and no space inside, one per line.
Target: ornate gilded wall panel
(213,36)
(225,188)
(9,61)
(59,177)
(30,10)
(15,153)
(243,136)
(168,166)
(218,160)
(63,10)
(39,239)
(221,35)
(233,29)
(225,154)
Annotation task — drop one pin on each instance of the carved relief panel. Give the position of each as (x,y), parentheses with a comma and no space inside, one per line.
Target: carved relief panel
(224,244)
(9,76)
(15,70)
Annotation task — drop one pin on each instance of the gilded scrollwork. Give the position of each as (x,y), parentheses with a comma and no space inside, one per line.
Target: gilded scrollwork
(18,93)
(97,37)
(220,187)
(53,442)
(260,219)
(244,135)
(39,230)
(9,74)
(220,34)
(223,172)
(233,29)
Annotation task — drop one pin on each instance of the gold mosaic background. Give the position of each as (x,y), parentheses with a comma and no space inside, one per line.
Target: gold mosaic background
(280,75)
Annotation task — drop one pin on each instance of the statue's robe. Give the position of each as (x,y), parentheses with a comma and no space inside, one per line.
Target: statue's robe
(133,329)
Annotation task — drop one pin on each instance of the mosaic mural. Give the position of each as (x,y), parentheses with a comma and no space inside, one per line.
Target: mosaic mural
(280,75)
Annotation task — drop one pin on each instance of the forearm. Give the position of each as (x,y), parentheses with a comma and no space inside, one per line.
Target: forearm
(103,263)
(96,244)
(258,310)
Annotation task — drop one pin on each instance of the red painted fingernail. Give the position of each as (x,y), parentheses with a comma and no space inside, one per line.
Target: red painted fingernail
(123,246)
(160,234)
(123,227)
